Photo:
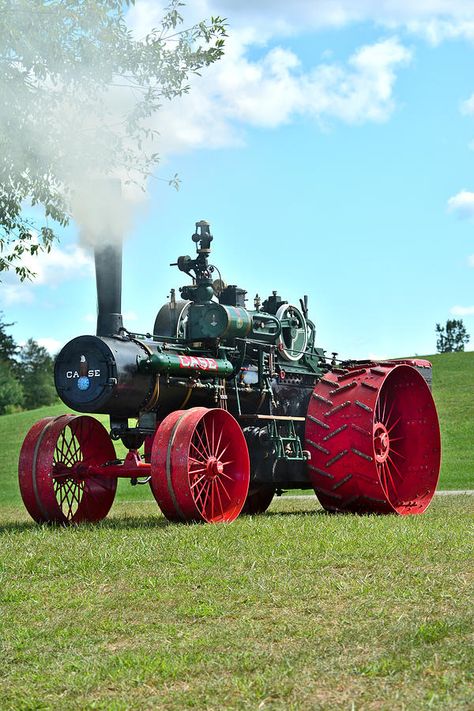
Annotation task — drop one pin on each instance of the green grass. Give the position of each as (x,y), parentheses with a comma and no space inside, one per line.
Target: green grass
(292,610)
(453,390)
(296,609)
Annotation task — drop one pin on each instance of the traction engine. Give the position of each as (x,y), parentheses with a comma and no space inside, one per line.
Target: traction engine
(222,407)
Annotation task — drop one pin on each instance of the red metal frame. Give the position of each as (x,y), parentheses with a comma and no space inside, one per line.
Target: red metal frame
(132,467)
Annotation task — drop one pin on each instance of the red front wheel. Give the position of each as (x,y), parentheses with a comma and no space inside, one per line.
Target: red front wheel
(200,466)
(51,485)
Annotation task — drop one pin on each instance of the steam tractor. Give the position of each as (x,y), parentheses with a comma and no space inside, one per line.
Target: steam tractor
(222,407)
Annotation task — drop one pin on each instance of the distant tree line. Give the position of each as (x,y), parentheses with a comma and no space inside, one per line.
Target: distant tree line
(452,337)
(26,374)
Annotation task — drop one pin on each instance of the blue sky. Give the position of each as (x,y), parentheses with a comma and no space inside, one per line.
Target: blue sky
(332,153)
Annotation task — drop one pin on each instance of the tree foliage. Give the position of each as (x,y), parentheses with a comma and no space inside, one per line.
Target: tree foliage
(452,337)
(26,374)
(11,392)
(36,375)
(77,90)
(8,347)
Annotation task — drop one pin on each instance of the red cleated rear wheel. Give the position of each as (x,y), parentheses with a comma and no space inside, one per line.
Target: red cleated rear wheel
(51,484)
(200,466)
(374,440)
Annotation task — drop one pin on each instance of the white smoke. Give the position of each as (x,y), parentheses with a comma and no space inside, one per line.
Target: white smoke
(71,124)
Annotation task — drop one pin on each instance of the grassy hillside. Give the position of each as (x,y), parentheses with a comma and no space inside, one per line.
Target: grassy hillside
(453,389)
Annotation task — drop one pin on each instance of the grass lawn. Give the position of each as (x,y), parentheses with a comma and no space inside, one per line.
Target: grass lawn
(295,609)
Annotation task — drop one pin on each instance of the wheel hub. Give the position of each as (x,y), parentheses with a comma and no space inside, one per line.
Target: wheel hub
(214,468)
(381,442)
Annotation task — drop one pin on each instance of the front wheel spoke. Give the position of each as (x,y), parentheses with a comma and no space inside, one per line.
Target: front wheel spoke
(197,481)
(219,499)
(198,493)
(61,446)
(76,490)
(208,441)
(392,449)
(389,474)
(229,461)
(68,442)
(196,471)
(395,467)
(221,483)
(387,419)
(62,489)
(202,460)
(389,429)
(77,450)
(221,454)
(206,498)
(226,476)
(219,441)
(383,479)
(69,492)
(212,498)
(205,450)
(70,512)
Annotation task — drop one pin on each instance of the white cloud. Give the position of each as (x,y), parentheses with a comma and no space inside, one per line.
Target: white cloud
(434,20)
(59,265)
(15,294)
(274,90)
(467,107)
(436,29)
(52,269)
(470,260)
(51,344)
(462,310)
(462,204)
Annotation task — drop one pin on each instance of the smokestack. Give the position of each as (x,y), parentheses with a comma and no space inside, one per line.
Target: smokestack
(103,225)
(108,273)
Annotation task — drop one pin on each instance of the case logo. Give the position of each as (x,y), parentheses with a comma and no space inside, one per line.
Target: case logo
(83,375)
(197,362)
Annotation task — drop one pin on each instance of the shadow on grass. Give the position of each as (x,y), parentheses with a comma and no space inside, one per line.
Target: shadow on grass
(134,522)
(298,512)
(17,526)
(119,522)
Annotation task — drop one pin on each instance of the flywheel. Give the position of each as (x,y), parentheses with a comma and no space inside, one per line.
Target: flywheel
(374,439)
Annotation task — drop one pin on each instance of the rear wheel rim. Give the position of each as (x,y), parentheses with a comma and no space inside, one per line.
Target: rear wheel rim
(373,435)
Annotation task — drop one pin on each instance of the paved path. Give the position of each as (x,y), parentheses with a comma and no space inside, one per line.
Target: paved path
(449,492)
